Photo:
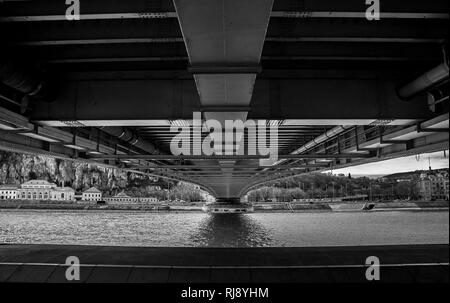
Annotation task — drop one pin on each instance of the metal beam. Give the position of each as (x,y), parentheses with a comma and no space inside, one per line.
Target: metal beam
(355,15)
(305,98)
(268,39)
(117,59)
(112,16)
(97,41)
(274,14)
(230,157)
(355,39)
(218,167)
(348,58)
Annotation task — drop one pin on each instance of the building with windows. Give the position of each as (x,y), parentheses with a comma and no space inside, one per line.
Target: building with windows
(433,186)
(63,194)
(438,186)
(123,198)
(92,194)
(8,192)
(36,190)
(44,190)
(148,199)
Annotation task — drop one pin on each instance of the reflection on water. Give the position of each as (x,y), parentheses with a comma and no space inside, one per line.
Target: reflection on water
(225,230)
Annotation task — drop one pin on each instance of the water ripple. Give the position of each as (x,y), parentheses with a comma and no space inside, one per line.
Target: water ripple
(222,230)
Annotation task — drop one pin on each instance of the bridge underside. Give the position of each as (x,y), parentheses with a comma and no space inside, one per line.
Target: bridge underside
(341,90)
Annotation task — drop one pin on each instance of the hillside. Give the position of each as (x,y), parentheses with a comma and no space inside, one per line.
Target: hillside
(413,174)
(18,168)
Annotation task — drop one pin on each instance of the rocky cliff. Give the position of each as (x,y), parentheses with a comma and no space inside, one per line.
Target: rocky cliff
(18,168)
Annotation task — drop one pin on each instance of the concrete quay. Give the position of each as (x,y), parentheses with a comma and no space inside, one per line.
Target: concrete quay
(108,264)
(257,207)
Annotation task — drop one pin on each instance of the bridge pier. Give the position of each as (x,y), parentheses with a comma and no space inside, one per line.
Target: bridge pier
(227,205)
(228,200)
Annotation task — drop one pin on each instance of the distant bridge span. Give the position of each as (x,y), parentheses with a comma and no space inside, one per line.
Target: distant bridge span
(342,90)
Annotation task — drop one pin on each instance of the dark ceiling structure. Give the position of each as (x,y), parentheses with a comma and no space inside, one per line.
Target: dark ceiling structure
(341,89)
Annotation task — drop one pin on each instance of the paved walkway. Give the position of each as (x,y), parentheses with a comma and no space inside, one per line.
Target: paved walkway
(46,263)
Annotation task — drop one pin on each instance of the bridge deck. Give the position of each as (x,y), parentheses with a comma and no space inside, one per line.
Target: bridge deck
(400,263)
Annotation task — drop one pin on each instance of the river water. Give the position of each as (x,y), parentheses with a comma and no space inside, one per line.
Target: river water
(208,230)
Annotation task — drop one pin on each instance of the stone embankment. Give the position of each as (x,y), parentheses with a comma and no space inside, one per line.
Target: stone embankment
(258,207)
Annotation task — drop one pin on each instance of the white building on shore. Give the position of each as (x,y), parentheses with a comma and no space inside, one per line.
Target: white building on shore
(8,192)
(63,194)
(44,190)
(92,194)
(123,198)
(36,190)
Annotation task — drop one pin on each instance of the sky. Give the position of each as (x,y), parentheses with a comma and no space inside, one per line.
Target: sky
(405,164)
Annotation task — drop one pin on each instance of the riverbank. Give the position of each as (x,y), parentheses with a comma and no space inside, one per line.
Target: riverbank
(68,205)
(262,207)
